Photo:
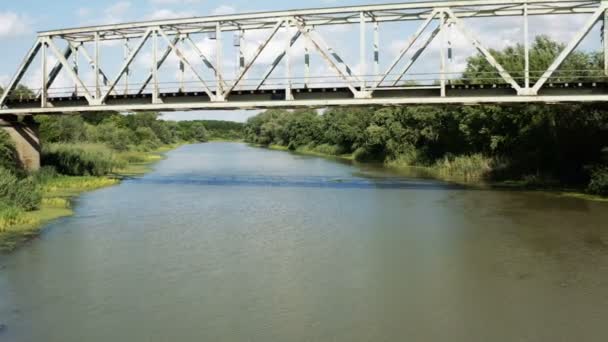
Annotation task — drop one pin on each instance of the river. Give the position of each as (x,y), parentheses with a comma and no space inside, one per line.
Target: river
(226,242)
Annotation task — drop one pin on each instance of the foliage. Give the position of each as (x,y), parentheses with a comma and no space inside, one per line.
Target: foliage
(599,182)
(510,142)
(16,192)
(222,130)
(77,160)
(543,52)
(8,155)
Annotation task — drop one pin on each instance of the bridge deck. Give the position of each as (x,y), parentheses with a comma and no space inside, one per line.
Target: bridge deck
(318,97)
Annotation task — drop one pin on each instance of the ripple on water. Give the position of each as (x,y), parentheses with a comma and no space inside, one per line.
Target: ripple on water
(299,182)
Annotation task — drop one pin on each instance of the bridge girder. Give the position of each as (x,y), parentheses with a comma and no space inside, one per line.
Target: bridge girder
(299,24)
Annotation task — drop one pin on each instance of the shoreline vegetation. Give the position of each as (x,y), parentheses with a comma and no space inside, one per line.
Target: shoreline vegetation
(435,172)
(86,153)
(58,194)
(555,147)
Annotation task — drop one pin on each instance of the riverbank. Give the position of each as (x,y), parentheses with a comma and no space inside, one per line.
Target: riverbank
(443,174)
(58,191)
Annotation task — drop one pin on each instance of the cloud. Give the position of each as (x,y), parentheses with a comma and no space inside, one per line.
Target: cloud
(167,14)
(13,24)
(118,10)
(4,79)
(174,2)
(115,13)
(223,9)
(227,115)
(83,12)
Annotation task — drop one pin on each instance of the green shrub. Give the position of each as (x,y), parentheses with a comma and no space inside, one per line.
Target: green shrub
(117,138)
(80,160)
(45,174)
(333,150)
(22,193)
(9,216)
(8,156)
(472,167)
(598,185)
(132,157)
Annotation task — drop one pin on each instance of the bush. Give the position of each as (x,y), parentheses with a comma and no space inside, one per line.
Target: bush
(332,150)
(8,156)
(9,216)
(62,128)
(45,174)
(20,193)
(598,185)
(117,138)
(80,160)
(471,168)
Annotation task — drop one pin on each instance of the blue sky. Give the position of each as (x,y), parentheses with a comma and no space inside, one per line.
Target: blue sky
(20,20)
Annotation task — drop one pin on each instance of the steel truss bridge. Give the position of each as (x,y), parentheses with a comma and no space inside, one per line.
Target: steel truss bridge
(202,84)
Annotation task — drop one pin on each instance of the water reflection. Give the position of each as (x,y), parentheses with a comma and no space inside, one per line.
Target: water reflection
(227,242)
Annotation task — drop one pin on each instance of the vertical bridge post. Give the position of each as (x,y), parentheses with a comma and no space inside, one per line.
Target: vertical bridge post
(24,134)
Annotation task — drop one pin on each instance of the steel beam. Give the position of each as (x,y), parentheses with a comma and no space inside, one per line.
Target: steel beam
(204,58)
(96,67)
(526,50)
(126,64)
(442,51)
(70,71)
(257,53)
(27,61)
(417,54)
(279,58)
(569,48)
(158,62)
(219,79)
(43,88)
(319,103)
(362,51)
(306,33)
(487,55)
(605,41)
(335,15)
(155,65)
(185,61)
(56,69)
(408,45)
(91,61)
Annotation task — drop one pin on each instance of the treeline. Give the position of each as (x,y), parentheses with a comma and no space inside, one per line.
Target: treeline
(224,130)
(538,144)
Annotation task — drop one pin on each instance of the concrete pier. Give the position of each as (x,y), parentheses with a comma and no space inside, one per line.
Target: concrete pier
(24,133)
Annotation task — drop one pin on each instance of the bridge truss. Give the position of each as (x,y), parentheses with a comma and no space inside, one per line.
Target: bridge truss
(203,83)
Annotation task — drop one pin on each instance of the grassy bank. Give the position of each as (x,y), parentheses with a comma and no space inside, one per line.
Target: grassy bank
(464,170)
(19,226)
(311,151)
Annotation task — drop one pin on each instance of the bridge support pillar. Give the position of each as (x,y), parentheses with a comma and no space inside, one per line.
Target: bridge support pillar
(24,134)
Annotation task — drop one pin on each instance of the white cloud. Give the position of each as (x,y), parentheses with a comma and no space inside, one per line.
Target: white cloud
(167,14)
(226,115)
(83,12)
(13,24)
(118,10)
(174,2)
(223,9)
(4,79)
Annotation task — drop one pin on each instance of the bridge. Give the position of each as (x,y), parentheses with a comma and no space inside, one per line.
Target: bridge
(218,66)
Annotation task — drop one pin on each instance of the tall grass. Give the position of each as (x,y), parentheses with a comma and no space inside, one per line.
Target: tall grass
(473,167)
(17,192)
(81,159)
(599,182)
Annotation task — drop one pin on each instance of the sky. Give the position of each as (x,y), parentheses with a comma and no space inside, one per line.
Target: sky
(20,20)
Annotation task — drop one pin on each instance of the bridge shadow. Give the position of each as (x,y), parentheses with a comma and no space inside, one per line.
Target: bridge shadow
(303,182)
